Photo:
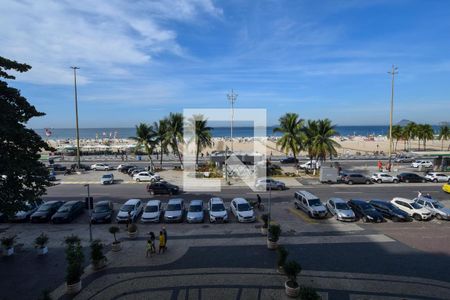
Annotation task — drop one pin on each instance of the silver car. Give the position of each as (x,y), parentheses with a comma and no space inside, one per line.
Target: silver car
(310,204)
(435,207)
(195,212)
(268,183)
(107,179)
(339,208)
(174,210)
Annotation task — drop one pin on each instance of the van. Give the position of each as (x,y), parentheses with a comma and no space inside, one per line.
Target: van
(310,204)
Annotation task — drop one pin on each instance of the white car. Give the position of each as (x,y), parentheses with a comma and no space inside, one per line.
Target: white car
(152,211)
(146,176)
(268,183)
(383,178)
(412,208)
(101,167)
(310,165)
(242,210)
(131,209)
(424,163)
(437,177)
(217,211)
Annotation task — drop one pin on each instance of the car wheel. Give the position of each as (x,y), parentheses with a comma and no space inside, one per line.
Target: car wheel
(296,205)
(350,182)
(379,181)
(138,180)
(395,219)
(365,219)
(310,215)
(395,181)
(435,180)
(367,181)
(423,181)
(407,180)
(438,216)
(152,192)
(417,217)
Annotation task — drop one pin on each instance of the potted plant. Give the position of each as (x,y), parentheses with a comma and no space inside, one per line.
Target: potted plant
(8,244)
(75,258)
(40,243)
(274,235)
(116,244)
(132,231)
(292,269)
(265,219)
(97,256)
(309,293)
(281,258)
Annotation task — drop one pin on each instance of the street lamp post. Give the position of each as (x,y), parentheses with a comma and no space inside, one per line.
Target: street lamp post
(270,209)
(76,114)
(232,98)
(393,72)
(89,212)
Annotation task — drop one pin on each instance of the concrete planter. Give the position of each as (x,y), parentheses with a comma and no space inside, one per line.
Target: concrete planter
(132,235)
(98,264)
(263,231)
(115,247)
(292,292)
(272,245)
(8,251)
(42,250)
(73,288)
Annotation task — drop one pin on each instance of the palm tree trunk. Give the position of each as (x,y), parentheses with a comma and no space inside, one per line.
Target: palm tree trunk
(442,144)
(161,158)
(177,152)
(196,155)
(149,153)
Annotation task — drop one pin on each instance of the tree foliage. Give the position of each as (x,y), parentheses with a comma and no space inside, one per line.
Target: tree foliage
(292,138)
(23,176)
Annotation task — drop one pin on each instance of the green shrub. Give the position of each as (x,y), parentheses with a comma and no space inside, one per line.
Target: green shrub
(282,255)
(41,241)
(75,258)
(132,228)
(292,269)
(265,219)
(8,241)
(97,250)
(308,293)
(274,232)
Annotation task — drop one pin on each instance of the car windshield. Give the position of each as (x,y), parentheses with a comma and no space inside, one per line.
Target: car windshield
(342,206)
(151,208)
(64,209)
(314,202)
(366,206)
(244,207)
(218,207)
(437,205)
(107,176)
(195,208)
(174,207)
(101,208)
(127,207)
(45,207)
(415,205)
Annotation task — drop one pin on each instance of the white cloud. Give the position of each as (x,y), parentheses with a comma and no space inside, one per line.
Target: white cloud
(102,37)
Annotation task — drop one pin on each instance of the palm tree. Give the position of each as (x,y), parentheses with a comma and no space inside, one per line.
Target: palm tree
(444,134)
(310,131)
(427,133)
(397,134)
(410,132)
(202,134)
(323,144)
(175,133)
(145,137)
(161,138)
(291,127)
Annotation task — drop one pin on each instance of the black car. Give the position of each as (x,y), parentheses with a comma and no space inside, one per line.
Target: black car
(83,167)
(103,212)
(58,167)
(289,160)
(365,211)
(403,159)
(124,169)
(69,211)
(162,187)
(45,211)
(388,210)
(410,177)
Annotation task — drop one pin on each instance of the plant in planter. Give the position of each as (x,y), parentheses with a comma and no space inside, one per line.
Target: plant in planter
(265,219)
(292,269)
(281,258)
(75,258)
(274,235)
(132,231)
(116,244)
(97,256)
(309,293)
(40,243)
(8,244)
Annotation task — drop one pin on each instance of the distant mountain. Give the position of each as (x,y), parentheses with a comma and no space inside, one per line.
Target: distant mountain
(404,122)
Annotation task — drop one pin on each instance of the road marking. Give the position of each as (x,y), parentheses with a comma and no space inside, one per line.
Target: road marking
(302,216)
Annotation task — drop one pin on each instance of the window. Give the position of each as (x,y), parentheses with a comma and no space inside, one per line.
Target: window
(420,202)
(428,205)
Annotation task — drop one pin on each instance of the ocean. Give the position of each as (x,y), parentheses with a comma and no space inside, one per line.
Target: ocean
(92,133)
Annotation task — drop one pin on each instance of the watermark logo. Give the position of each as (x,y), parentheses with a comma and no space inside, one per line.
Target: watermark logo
(242,159)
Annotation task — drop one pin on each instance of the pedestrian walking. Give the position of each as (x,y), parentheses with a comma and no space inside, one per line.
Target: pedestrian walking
(161,243)
(259,200)
(165,237)
(150,247)
(152,238)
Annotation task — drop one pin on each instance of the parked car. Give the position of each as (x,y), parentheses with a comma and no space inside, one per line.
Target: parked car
(365,211)
(356,178)
(162,187)
(146,176)
(310,165)
(242,210)
(130,210)
(390,211)
(152,211)
(339,208)
(68,212)
(174,211)
(268,183)
(410,177)
(52,175)
(446,188)
(423,163)
(412,208)
(24,215)
(217,211)
(107,179)
(437,177)
(404,159)
(289,160)
(45,211)
(435,207)
(58,167)
(125,168)
(82,167)
(310,204)
(383,178)
(136,171)
(103,212)
(101,167)
(195,212)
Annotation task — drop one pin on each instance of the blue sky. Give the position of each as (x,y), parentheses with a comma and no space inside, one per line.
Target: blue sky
(140,61)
